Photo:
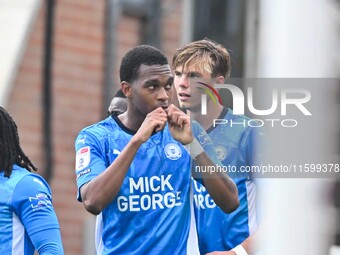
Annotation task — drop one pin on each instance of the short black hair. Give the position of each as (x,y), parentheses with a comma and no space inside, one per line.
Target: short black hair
(140,55)
(119,93)
(10,150)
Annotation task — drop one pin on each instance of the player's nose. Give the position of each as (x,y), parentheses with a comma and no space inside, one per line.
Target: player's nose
(184,81)
(163,95)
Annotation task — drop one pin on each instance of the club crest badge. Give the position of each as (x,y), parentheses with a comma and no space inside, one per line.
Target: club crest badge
(172,151)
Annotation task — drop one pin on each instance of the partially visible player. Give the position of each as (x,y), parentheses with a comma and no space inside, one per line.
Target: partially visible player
(118,103)
(27,218)
(209,62)
(133,170)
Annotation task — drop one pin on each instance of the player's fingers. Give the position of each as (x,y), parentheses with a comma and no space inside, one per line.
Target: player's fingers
(172,107)
(158,111)
(183,120)
(159,125)
(158,118)
(174,119)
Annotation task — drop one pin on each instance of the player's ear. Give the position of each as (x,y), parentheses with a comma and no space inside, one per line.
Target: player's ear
(126,89)
(219,80)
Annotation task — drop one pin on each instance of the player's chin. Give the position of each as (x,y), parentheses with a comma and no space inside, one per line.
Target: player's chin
(184,105)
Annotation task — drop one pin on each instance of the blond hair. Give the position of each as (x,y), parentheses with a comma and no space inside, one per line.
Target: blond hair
(207,55)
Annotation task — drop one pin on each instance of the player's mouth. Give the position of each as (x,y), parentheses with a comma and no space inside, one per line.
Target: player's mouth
(183,96)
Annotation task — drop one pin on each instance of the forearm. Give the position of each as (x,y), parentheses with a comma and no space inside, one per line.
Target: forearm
(100,191)
(48,242)
(51,249)
(247,245)
(220,187)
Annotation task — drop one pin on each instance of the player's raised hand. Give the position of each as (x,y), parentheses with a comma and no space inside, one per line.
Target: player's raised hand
(153,122)
(179,125)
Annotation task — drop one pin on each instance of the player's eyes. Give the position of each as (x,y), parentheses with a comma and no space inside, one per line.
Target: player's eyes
(194,75)
(168,86)
(178,74)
